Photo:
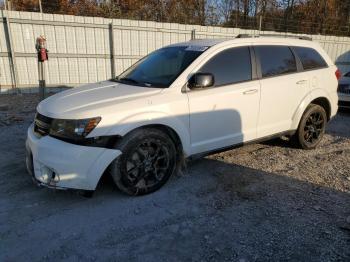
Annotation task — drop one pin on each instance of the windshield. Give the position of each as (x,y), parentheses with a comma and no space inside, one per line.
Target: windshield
(162,67)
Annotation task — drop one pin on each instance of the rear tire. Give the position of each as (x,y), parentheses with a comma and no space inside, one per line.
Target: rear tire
(311,127)
(148,160)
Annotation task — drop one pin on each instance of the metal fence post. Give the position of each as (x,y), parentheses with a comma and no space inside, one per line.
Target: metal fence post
(11,51)
(193,34)
(40,47)
(112,52)
(42,82)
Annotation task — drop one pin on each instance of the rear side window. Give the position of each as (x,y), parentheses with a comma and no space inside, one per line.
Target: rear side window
(230,66)
(310,58)
(276,60)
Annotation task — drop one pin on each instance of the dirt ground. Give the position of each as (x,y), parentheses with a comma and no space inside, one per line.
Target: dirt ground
(263,202)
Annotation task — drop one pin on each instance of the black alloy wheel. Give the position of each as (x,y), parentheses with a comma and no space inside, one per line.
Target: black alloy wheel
(314,127)
(311,128)
(147,162)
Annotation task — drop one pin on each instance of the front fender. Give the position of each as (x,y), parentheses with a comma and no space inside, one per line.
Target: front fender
(180,124)
(316,93)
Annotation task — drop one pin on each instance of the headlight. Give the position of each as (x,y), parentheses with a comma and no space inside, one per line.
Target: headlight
(73,129)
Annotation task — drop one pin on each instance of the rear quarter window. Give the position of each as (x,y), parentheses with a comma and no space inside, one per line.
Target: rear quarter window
(310,58)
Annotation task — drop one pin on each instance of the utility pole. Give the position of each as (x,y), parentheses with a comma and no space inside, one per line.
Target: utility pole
(162,11)
(260,23)
(40,7)
(8,5)
(348,18)
(324,13)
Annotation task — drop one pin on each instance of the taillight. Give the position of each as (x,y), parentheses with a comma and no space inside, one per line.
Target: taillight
(338,74)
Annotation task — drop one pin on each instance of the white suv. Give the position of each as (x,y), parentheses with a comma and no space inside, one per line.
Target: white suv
(181,101)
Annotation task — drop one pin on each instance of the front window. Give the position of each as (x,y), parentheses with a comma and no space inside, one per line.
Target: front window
(162,67)
(230,66)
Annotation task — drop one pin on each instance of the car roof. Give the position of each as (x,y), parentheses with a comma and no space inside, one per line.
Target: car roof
(200,42)
(287,40)
(253,40)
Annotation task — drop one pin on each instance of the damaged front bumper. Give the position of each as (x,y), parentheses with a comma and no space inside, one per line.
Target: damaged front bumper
(57,164)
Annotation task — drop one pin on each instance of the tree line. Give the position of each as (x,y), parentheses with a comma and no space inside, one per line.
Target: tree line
(296,16)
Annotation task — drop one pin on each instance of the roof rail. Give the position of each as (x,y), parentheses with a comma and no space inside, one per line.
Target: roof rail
(274,35)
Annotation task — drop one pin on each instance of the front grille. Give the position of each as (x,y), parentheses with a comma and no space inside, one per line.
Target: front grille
(344,89)
(42,124)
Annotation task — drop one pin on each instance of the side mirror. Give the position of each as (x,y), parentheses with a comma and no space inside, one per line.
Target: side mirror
(201,80)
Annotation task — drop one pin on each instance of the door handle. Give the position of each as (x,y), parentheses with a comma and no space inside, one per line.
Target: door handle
(301,82)
(250,92)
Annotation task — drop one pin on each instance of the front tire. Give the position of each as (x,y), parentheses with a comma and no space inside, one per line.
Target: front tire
(311,128)
(148,160)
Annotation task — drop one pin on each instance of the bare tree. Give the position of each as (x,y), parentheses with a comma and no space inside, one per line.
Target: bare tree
(300,16)
(225,9)
(288,11)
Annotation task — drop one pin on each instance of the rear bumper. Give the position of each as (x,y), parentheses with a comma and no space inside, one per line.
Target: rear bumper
(57,164)
(344,100)
(344,104)
(344,97)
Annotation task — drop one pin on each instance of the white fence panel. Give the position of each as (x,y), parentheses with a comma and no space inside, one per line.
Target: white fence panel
(80,47)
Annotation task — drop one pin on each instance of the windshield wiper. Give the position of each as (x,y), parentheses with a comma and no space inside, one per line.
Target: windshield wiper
(126,79)
(131,80)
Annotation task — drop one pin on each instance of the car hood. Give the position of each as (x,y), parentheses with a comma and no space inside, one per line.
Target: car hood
(83,100)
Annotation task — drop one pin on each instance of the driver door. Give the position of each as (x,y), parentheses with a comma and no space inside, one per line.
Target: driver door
(227,113)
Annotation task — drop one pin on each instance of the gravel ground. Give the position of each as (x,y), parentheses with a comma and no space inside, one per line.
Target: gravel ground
(263,202)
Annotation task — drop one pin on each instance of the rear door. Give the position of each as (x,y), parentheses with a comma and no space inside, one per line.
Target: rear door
(321,76)
(283,87)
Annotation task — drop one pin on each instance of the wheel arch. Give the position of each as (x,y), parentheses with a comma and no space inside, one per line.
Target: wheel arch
(148,163)
(170,131)
(174,136)
(323,102)
(318,97)
(176,126)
